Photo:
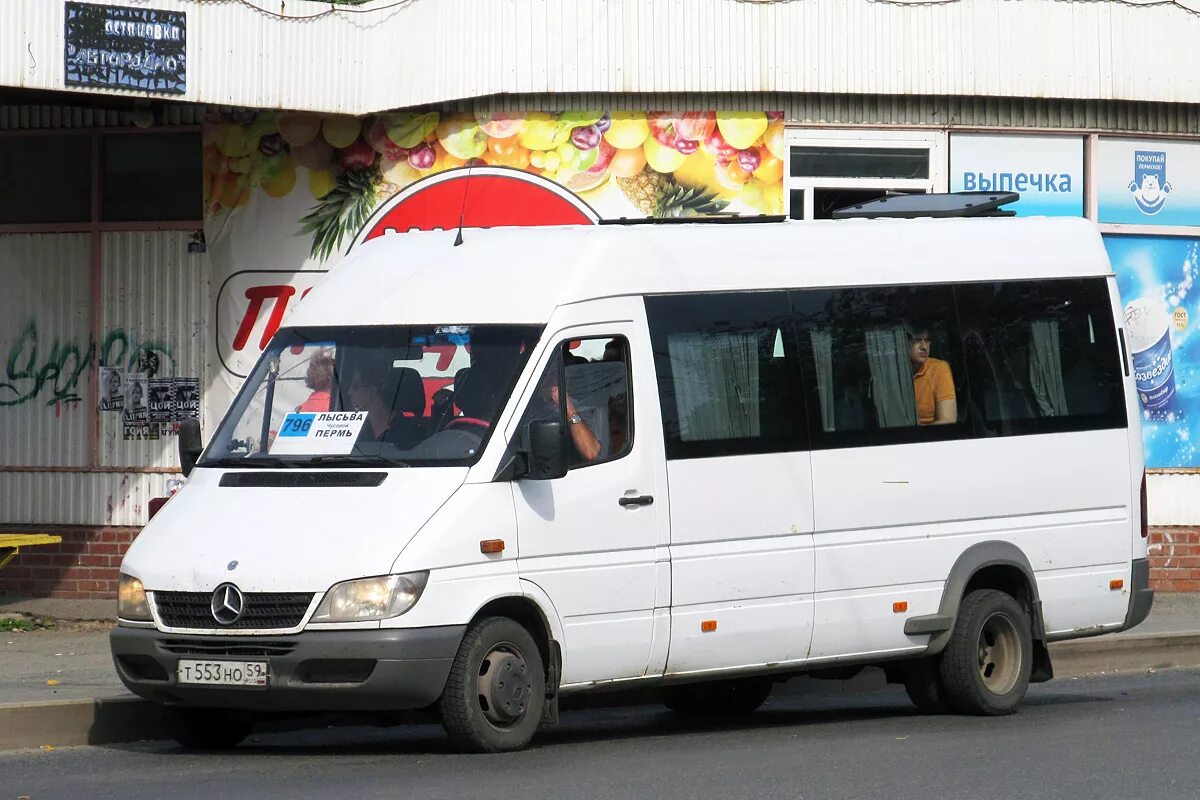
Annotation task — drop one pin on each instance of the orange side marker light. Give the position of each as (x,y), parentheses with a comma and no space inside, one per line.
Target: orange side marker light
(900,607)
(1116,585)
(708,626)
(489,546)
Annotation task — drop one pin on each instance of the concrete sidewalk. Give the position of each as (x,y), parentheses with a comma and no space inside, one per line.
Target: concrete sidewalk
(58,686)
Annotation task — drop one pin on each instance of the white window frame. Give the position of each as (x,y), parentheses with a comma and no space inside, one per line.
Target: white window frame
(934,141)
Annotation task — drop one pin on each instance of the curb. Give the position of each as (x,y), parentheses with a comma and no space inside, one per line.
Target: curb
(67,723)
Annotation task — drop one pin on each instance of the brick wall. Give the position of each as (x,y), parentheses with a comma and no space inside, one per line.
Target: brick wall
(83,566)
(1175,559)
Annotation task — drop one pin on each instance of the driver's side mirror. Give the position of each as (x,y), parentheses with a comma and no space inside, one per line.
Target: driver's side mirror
(190,445)
(547,450)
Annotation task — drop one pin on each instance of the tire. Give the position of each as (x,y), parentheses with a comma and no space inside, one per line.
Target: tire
(209,728)
(723,698)
(986,666)
(923,683)
(496,690)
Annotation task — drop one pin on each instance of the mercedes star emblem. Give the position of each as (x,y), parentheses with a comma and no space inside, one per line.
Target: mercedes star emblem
(227,605)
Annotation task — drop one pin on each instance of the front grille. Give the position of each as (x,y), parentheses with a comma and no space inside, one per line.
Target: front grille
(263,610)
(228,647)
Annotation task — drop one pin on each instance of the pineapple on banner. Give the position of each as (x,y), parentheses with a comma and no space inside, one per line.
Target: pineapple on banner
(623,164)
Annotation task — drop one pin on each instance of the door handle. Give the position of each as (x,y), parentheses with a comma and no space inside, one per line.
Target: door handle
(640,500)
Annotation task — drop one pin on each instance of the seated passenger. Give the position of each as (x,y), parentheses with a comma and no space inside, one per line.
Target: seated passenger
(373,389)
(933,383)
(319,378)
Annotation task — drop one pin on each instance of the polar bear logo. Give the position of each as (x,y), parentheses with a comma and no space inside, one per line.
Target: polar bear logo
(1150,186)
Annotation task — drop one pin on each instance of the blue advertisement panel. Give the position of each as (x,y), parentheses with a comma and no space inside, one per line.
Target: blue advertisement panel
(1148,182)
(1156,276)
(1047,171)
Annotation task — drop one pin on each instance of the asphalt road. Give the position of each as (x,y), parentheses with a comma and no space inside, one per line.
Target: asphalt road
(1133,736)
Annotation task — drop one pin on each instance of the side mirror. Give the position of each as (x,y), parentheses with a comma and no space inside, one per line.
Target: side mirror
(547,450)
(190,445)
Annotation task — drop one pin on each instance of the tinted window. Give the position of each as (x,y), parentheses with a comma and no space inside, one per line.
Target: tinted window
(882,365)
(1041,356)
(727,374)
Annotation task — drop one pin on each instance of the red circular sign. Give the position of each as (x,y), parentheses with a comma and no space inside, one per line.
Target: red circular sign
(478,197)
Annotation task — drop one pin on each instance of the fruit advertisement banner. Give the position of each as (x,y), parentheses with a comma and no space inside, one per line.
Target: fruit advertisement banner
(622,164)
(1155,277)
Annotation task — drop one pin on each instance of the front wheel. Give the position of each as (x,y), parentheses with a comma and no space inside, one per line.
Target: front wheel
(497,686)
(209,728)
(986,666)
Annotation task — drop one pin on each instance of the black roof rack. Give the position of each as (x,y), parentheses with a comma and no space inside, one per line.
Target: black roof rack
(950,204)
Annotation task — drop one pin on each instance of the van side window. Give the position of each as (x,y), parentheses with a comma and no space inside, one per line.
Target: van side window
(883,365)
(1042,356)
(596,407)
(728,379)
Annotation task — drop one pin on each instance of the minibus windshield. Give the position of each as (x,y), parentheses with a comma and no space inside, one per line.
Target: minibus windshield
(373,396)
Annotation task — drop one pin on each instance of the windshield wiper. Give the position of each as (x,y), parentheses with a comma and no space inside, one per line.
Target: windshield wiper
(353,461)
(252,461)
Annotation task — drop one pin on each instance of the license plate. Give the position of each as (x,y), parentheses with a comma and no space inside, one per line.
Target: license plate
(222,673)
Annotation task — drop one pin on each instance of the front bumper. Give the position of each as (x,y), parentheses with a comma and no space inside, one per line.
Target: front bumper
(359,670)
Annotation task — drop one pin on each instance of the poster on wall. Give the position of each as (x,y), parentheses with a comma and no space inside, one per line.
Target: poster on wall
(112,389)
(1156,276)
(1148,182)
(1047,171)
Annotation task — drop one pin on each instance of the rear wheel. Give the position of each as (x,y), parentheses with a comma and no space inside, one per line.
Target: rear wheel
(497,686)
(986,666)
(721,698)
(209,728)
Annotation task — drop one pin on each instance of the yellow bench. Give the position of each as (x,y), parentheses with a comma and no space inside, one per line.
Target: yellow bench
(11,544)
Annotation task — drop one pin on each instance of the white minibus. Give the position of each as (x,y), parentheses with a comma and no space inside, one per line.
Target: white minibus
(474,479)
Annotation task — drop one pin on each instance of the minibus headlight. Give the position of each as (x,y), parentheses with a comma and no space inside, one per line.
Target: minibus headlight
(371,598)
(131,600)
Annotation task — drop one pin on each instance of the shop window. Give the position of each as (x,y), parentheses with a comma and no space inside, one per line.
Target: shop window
(49,179)
(796,204)
(860,162)
(151,176)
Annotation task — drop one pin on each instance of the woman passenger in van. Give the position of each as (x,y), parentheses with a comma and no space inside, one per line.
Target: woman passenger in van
(933,382)
(373,389)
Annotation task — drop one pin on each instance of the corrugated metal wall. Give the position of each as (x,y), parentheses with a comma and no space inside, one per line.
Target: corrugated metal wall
(384,54)
(154,307)
(155,299)
(45,350)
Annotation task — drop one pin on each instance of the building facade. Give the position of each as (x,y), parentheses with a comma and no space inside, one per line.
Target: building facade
(180,173)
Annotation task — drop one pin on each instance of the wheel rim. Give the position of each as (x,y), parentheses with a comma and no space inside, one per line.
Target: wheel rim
(999,652)
(505,685)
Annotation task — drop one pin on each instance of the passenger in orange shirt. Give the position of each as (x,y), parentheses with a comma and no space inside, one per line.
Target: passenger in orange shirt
(933,382)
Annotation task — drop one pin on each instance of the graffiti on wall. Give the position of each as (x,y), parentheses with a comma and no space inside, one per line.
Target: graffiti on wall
(37,370)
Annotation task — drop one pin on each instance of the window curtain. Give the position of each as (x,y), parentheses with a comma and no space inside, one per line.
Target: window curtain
(891,377)
(716,384)
(1045,368)
(822,347)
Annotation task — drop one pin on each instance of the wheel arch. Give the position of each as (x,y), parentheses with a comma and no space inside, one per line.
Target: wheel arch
(542,626)
(987,565)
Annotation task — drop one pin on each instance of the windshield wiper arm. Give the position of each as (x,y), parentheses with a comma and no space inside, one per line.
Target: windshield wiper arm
(355,461)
